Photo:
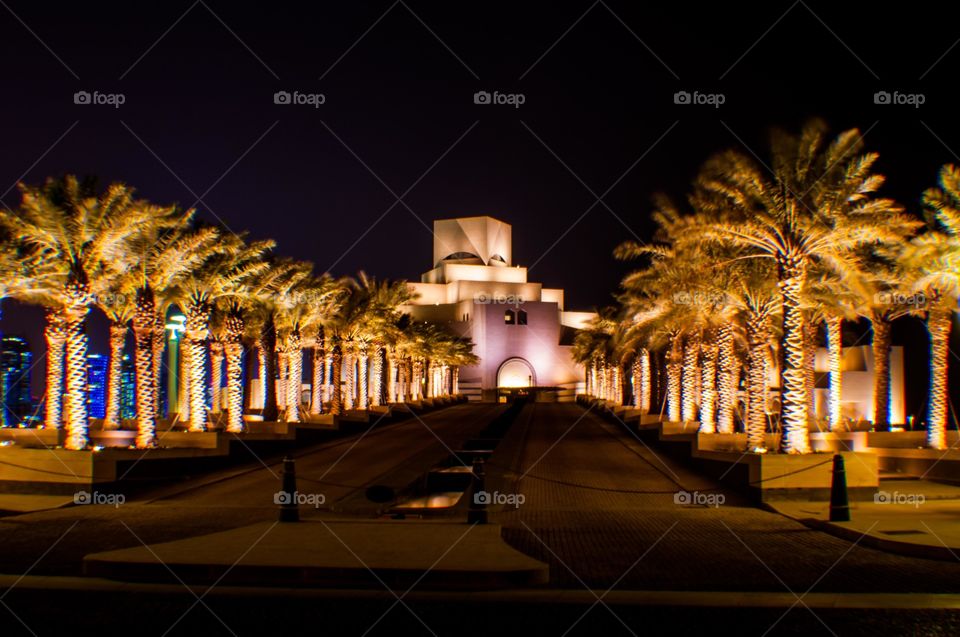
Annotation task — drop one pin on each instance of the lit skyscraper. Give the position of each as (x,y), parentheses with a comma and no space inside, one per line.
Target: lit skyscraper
(128,396)
(15,362)
(97,385)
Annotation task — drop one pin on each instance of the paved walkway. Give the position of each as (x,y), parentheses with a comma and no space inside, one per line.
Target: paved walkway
(234,497)
(600,508)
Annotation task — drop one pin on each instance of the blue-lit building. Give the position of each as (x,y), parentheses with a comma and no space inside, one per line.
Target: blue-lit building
(15,363)
(97,385)
(128,396)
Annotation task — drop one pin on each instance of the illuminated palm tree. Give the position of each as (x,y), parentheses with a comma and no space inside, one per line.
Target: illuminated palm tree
(935,256)
(84,235)
(832,300)
(273,289)
(886,294)
(305,306)
(119,312)
(680,291)
(166,253)
(27,275)
(219,276)
(816,208)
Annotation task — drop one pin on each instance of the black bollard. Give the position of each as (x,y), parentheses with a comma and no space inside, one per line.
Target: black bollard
(477,514)
(287,498)
(839,503)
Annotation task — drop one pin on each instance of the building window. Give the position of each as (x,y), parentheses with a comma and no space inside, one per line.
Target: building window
(510,317)
(521,317)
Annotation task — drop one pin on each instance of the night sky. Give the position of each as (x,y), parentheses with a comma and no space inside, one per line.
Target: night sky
(199,125)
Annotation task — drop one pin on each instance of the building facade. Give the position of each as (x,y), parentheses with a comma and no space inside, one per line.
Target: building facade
(15,366)
(97,384)
(520,329)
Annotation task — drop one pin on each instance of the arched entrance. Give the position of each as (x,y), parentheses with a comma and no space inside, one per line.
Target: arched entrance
(516,372)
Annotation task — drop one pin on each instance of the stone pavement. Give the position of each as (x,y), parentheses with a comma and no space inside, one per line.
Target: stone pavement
(911,517)
(600,508)
(338,554)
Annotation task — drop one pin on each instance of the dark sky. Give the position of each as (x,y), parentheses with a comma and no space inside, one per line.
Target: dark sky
(598,118)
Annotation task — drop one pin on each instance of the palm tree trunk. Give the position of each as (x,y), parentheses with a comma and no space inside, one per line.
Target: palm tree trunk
(601,376)
(756,424)
(56,340)
(75,398)
(216,374)
(183,387)
(377,373)
(938,325)
(644,403)
(349,362)
(881,372)
(283,376)
(455,381)
(336,374)
(319,380)
(793,383)
(674,365)
(159,340)
(198,317)
(726,389)
(811,332)
(363,385)
(835,347)
(268,369)
(118,336)
(391,377)
(691,354)
(144,327)
(233,350)
(708,406)
(295,375)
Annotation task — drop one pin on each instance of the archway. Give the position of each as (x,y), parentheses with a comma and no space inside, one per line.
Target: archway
(516,372)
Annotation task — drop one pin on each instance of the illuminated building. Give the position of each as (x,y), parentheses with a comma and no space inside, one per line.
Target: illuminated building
(521,330)
(128,389)
(97,385)
(15,364)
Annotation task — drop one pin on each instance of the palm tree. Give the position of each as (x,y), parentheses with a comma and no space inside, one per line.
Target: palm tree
(84,235)
(303,307)
(119,312)
(886,294)
(220,276)
(833,301)
(676,290)
(271,290)
(166,252)
(816,208)
(28,275)
(935,255)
